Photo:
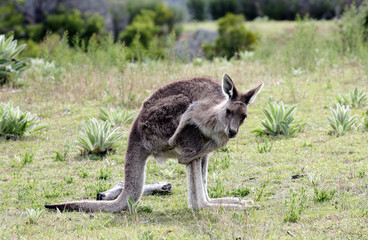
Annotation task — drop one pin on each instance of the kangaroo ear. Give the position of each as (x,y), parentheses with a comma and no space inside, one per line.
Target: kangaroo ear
(228,87)
(251,95)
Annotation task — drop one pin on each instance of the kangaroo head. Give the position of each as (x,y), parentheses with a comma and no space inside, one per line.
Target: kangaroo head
(233,113)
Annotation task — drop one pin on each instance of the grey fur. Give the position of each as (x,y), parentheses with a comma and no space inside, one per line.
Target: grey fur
(209,114)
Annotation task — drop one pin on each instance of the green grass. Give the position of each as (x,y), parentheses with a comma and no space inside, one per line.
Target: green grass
(328,163)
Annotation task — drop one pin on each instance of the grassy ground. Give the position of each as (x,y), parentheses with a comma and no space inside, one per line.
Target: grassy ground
(325,162)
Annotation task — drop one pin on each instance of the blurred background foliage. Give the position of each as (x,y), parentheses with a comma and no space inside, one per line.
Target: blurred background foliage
(148,28)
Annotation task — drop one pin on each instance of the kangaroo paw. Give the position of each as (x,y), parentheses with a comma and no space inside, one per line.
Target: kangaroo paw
(172,141)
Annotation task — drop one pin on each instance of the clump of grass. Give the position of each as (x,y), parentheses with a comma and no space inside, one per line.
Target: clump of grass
(323,195)
(61,156)
(365,121)
(34,215)
(239,192)
(295,206)
(280,120)
(117,116)
(15,123)
(98,138)
(44,68)
(266,147)
(10,67)
(104,173)
(27,158)
(218,190)
(341,121)
(354,99)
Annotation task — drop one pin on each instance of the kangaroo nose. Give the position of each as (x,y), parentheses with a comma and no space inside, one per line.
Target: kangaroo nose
(232,133)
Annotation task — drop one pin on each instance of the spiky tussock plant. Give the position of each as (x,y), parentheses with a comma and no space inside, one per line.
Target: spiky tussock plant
(34,215)
(117,116)
(280,120)
(10,68)
(341,121)
(15,123)
(98,138)
(354,99)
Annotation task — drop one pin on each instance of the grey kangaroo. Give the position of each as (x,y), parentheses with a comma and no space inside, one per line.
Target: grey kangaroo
(186,119)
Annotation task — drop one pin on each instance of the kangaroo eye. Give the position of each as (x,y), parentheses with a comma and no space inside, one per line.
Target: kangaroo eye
(228,112)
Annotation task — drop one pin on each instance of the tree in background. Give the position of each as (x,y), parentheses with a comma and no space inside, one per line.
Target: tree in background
(197,9)
(233,37)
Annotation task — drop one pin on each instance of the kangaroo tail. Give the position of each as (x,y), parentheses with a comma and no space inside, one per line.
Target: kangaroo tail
(90,206)
(135,163)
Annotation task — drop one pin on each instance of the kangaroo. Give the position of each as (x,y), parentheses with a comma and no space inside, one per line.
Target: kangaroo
(186,119)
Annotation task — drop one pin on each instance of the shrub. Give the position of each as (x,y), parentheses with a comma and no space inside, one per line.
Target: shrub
(353,29)
(341,121)
(143,27)
(117,116)
(42,68)
(97,138)
(355,99)
(280,120)
(233,38)
(10,67)
(300,50)
(76,24)
(15,124)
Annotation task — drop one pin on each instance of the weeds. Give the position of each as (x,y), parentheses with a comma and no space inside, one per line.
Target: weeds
(218,190)
(266,147)
(295,205)
(15,124)
(314,178)
(239,192)
(341,121)
(300,51)
(355,99)
(27,158)
(97,138)
(10,67)
(117,116)
(365,121)
(323,195)
(34,215)
(61,156)
(133,206)
(260,192)
(104,173)
(69,179)
(280,120)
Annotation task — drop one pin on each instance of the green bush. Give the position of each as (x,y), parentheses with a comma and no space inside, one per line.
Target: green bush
(76,24)
(15,124)
(233,38)
(117,116)
(142,28)
(280,120)
(353,29)
(341,121)
(97,138)
(10,67)
(355,99)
